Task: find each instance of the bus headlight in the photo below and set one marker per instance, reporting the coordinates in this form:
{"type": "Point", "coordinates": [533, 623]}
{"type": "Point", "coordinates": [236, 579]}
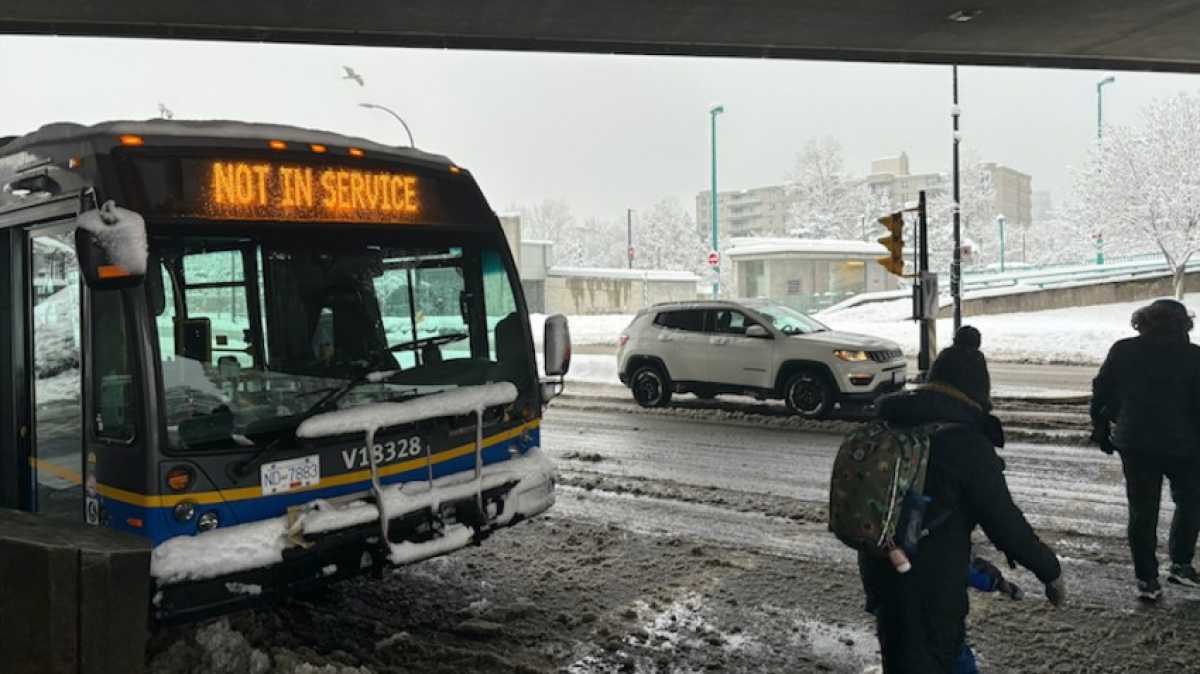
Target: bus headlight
{"type": "Point", "coordinates": [208, 521]}
{"type": "Point", "coordinates": [184, 511]}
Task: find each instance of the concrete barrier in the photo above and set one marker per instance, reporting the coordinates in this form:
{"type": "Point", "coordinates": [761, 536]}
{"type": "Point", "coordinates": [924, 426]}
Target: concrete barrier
{"type": "Point", "coordinates": [73, 597]}
{"type": "Point", "coordinates": [1109, 292]}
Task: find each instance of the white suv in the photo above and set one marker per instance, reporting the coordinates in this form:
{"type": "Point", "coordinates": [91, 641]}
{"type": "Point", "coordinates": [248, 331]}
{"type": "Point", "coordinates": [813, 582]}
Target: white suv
{"type": "Point", "coordinates": [755, 347]}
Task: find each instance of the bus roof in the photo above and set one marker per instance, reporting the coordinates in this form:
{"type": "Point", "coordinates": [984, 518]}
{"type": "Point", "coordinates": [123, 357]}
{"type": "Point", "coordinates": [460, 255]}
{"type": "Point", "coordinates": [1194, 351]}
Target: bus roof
{"type": "Point", "coordinates": [62, 132]}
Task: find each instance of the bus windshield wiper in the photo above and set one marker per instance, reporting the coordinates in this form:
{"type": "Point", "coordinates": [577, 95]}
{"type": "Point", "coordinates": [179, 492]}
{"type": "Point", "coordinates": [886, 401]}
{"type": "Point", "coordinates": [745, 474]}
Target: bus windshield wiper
{"type": "Point", "coordinates": [368, 376]}
{"type": "Point", "coordinates": [436, 340]}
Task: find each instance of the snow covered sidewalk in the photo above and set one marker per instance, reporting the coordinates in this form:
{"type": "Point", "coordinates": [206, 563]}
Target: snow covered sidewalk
{"type": "Point", "coordinates": [1078, 336]}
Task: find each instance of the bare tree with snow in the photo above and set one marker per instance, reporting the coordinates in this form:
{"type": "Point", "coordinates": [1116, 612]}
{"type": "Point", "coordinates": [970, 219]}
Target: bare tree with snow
{"type": "Point", "coordinates": [1143, 183]}
{"type": "Point", "coordinates": [666, 238]}
{"type": "Point", "coordinates": [977, 197]}
{"type": "Point", "coordinates": [825, 201]}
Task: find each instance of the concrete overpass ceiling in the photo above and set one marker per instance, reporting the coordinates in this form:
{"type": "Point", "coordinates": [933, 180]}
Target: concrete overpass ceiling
{"type": "Point", "coordinates": [1118, 34]}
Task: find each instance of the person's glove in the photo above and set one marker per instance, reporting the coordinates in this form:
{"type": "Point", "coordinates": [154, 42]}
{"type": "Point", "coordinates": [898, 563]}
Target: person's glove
{"type": "Point", "coordinates": [1056, 591]}
{"type": "Point", "coordinates": [1101, 437]}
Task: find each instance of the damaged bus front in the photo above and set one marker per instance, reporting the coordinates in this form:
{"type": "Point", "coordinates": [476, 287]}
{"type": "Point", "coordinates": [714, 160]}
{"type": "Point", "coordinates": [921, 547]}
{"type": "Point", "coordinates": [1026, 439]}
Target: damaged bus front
{"type": "Point", "coordinates": [323, 364]}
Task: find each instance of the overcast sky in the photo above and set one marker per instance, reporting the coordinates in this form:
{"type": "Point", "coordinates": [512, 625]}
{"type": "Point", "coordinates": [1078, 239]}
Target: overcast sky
{"type": "Point", "coordinates": [601, 132]}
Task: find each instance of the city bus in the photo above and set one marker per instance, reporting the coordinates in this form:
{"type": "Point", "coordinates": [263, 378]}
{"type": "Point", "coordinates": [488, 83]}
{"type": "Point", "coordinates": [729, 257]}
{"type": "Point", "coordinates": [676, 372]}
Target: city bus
{"type": "Point", "coordinates": [282, 356]}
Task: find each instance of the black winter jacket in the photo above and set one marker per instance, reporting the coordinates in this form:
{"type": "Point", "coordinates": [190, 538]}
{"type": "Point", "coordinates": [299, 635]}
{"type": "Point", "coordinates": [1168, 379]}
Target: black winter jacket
{"type": "Point", "coordinates": [1150, 386]}
{"type": "Point", "coordinates": [922, 614]}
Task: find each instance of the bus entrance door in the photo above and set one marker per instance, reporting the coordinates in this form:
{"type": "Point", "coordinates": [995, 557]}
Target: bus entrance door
{"type": "Point", "coordinates": [56, 450]}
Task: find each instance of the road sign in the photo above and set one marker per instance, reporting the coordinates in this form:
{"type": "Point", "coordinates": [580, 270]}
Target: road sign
{"type": "Point", "coordinates": [631, 252]}
{"type": "Point", "coordinates": [714, 259]}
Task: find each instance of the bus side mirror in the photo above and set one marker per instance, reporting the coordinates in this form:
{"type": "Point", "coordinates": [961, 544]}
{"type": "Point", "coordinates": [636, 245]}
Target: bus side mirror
{"type": "Point", "coordinates": [110, 243]}
{"type": "Point", "coordinates": [556, 340]}
{"type": "Point", "coordinates": [557, 343]}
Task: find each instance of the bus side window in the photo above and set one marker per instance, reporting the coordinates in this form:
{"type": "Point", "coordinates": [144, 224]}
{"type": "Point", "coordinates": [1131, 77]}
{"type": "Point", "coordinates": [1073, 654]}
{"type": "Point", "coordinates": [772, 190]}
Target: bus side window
{"type": "Point", "coordinates": [114, 394]}
{"type": "Point", "coordinates": [506, 336]}
{"type": "Point", "coordinates": [215, 289]}
{"type": "Point", "coordinates": [165, 321]}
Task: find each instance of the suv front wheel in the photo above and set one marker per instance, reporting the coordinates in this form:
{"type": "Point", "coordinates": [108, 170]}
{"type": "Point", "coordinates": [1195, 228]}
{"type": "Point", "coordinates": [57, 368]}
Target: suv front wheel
{"type": "Point", "coordinates": [651, 386]}
{"type": "Point", "coordinates": [808, 394]}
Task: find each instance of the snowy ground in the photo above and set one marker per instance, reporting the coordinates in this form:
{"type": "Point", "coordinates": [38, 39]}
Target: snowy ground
{"type": "Point", "coordinates": [671, 551]}
{"type": "Point", "coordinates": [1080, 335]}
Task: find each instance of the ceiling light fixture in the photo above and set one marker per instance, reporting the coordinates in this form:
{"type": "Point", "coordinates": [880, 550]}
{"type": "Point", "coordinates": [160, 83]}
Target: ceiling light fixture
{"type": "Point", "coordinates": [964, 15]}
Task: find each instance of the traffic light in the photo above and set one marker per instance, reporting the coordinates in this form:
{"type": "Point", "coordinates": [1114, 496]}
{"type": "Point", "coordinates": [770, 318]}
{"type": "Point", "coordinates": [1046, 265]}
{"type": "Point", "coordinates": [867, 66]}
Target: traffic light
{"type": "Point", "coordinates": [894, 242]}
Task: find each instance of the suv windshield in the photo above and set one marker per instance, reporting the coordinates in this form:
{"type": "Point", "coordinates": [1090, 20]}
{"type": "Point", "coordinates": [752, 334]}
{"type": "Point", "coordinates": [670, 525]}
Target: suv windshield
{"type": "Point", "coordinates": [252, 332]}
{"type": "Point", "coordinates": [788, 320]}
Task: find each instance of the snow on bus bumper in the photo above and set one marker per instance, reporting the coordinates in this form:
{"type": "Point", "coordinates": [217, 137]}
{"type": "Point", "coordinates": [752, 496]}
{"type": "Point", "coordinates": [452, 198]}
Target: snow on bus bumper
{"type": "Point", "coordinates": [222, 569]}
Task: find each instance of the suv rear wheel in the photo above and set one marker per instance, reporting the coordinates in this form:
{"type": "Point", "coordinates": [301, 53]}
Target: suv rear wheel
{"type": "Point", "coordinates": [651, 386]}
{"type": "Point", "coordinates": [808, 394]}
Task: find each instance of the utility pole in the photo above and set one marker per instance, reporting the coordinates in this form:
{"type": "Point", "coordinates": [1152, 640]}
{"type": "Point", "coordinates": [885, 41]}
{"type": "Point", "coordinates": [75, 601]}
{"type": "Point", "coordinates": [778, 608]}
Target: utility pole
{"type": "Point", "coordinates": [956, 266]}
{"type": "Point", "coordinates": [1000, 220]}
{"type": "Point", "coordinates": [1100, 106]}
{"type": "Point", "coordinates": [716, 245]}
{"type": "Point", "coordinates": [926, 294]}
{"type": "Point", "coordinates": [629, 235]}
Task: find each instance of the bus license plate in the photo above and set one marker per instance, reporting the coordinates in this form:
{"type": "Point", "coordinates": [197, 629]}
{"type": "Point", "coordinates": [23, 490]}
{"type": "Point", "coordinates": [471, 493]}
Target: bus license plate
{"type": "Point", "coordinates": [282, 476]}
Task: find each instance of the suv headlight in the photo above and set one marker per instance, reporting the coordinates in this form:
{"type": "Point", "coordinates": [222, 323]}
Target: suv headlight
{"type": "Point", "coordinates": [851, 356]}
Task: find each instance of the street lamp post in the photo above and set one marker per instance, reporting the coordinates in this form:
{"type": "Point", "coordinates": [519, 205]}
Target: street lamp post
{"type": "Point", "coordinates": [712, 113]}
{"type": "Point", "coordinates": [1000, 220]}
{"type": "Point", "coordinates": [1100, 106]}
{"type": "Point", "coordinates": [373, 106]}
{"type": "Point", "coordinates": [956, 265]}
{"type": "Point", "coordinates": [629, 236]}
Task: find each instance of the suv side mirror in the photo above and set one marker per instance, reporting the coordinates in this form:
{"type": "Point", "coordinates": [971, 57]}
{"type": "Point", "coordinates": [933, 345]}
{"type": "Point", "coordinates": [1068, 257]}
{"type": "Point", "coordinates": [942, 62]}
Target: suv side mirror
{"type": "Point", "coordinates": [758, 332]}
{"type": "Point", "coordinates": [110, 243]}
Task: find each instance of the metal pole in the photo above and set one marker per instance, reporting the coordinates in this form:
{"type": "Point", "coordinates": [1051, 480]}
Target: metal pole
{"type": "Point", "coordinates": [1100, 106]}
{"type": "Point", "coordinates": [713, 112]}
{"type": "Point", "coordinates": [629, 236]}
{"type": "Point", "coordinates": [925, 356]}
{"type": "Point", "coordinates": [1000, 221]}
{"type": "Point", "coordinates": [956, 266]}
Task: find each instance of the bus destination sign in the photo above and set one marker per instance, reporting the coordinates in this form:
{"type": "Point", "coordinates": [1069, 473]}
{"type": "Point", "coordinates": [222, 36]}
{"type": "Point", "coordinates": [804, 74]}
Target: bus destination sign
{"type": "Point", "coordinates": [263, 190]}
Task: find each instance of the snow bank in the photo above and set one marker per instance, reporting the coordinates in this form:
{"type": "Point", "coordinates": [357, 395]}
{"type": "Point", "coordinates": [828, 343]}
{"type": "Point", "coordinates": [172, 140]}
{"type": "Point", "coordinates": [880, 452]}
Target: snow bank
{"type": "Point", "coordinates": [602, 329]}
{"type": "Point", "coordinates": [1079, 335]}
{"type": "Point", "coordinates": [260, 544]}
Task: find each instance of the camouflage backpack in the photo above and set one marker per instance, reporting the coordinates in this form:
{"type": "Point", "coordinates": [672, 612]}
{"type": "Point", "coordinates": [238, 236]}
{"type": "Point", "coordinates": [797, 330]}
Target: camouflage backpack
{"type": "Point", "coordinates": [876, 494]}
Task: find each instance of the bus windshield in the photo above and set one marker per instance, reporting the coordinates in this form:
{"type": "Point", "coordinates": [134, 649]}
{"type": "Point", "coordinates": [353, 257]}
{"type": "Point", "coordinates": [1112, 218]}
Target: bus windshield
{"type": "Point", "coordinates": [253, 332]}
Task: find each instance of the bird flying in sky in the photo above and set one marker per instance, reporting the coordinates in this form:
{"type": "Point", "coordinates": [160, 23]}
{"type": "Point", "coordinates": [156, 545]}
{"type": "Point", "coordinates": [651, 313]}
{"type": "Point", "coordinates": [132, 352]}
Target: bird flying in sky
{"type": "Point", "coordinates": [351, 75]}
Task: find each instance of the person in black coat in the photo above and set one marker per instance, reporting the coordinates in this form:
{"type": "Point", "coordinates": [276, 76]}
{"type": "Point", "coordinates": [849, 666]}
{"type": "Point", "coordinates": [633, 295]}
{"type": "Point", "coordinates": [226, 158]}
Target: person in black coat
{"type": "Point", "coordinates": [921, 615]}
{"type": "Point", "coordinates": [1149, 387]}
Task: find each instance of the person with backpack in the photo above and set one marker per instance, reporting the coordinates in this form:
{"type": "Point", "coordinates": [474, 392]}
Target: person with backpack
{"type": "Point", "coordinates": [914, 533]}
{"type": "Point", "coordinates": [1149, 387]}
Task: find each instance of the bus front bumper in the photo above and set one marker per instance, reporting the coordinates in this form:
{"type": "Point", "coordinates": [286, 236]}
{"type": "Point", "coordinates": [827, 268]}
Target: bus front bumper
{"type": "Point", "coordinates": [324, 552]}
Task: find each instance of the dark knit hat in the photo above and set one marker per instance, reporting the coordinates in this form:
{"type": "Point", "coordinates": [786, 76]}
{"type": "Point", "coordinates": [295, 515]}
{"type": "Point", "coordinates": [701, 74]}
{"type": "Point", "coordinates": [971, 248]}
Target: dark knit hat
{"type": "Point", "coordinates": [963, 367]}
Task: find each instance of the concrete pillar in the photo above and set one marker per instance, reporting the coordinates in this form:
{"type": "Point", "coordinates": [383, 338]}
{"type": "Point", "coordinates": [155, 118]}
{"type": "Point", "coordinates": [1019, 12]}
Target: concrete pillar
{"type": "Point", "coordinates": [74, 598]}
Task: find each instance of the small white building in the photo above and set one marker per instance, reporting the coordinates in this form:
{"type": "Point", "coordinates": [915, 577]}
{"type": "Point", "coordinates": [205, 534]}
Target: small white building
{"type": "Point", "coordinates": [807, 274]}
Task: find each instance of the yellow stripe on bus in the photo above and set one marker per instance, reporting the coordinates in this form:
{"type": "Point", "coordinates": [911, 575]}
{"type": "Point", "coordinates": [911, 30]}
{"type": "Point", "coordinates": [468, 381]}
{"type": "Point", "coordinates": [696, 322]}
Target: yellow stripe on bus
{"type": "Point", "coordinates": [243, 493]}
{"type": "Point", "coordinates": [56, 470]}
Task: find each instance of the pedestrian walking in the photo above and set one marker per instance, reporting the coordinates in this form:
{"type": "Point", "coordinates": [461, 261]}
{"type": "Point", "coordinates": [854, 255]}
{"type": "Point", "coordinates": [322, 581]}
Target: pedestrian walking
{"type": "Point", "coordinates": [921, 610]}
{"type": "Point", "coordinates": [1146, 407]}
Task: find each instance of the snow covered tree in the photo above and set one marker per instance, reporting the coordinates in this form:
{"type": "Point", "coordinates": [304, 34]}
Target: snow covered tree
{"type": "Point", "coordinates": [593, 243]}
{"type": "Point", "coordinates": [665, 237]}
{"type": "Point", "coordinates": [977, 221]}
{"type": "Point", "coordinates": [547, 220]}
{"type": "Point", "coordinates": [1142, 185]}
{"type": "Point", "coordinates": [825, 202]}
